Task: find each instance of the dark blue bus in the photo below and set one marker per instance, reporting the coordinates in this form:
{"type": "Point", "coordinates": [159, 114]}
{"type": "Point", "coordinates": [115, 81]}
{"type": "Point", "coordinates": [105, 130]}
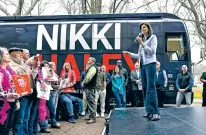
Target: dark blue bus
{"type": "Point", "coordinates": [74, 38]}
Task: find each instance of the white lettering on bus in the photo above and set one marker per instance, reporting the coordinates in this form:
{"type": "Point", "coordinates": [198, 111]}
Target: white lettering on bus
{"type": "Point", "coordinates": [63, 37]}
{"type": "Point", "coordinates": [51, 41]}
{"type": "Point", "coordinates": [100, 36]}
{"type": "Point", "coordinates": [117, 36]}
{"type": "Point", "coordinates": [78, 35]}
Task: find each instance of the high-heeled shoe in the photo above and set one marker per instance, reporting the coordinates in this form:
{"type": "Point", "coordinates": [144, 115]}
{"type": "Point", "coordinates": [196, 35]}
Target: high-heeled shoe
{"type": "Point", "coordinates": [155, 117]}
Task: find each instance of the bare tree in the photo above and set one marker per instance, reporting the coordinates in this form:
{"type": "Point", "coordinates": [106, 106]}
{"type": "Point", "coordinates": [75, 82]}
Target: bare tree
{"type": "Point", "coordinates": [116, 5]}
{"type": "Point", "coordinates": [100, 6]}
{"type": "Point", "coordinates": [171, 6]}
{"type": "Point", "coordinates": [146, 4]}
{"type": "Point", "coordinates": [196, 10]}
{"type": "Point", "coordinates": [18, 5]}
{"type": "Point", "coordinates": [4, 10]}
{"type": "Point", "coordinates": [81, 6]}
{"type": "Point", "coordinates": [42, 5]}
{"type": "Point", "coordinates": [84, 6]}
{"type": "Point", "coordinates": [71, 6]}
{"type": "Point", "coordinates": [94, 6]}
{"type": "Point", "coordinates": [19, 8]}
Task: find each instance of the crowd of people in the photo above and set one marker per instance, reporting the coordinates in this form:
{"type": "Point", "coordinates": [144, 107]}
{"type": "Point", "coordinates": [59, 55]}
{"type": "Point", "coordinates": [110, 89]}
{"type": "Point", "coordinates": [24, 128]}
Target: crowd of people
{"type": "Point", "coordinates": [23, 113]}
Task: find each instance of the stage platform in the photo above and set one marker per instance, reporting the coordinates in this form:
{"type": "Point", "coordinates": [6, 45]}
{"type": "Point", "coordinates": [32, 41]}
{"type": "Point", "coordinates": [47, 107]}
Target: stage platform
{"type": "Point", "coordinates": [174, 121]}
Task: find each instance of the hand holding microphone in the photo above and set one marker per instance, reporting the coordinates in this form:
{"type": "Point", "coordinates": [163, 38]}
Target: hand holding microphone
{"type": "Point", "coordinates": [139, 39]}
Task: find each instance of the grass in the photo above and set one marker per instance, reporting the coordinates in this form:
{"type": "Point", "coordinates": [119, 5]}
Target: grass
{"type": "Point", "coordinates": [197, 92]}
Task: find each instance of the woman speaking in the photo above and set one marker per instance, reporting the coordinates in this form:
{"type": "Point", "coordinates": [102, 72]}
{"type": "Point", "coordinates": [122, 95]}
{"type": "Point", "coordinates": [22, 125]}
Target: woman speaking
{"type": "Point", "coordinates": [147, 55]}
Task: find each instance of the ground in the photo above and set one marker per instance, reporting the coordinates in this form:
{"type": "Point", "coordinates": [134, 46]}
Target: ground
{"type": "Point", "coordinates": [81, 128]}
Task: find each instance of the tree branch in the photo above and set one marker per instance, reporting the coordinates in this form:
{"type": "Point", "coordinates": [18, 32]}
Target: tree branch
{"type": "Point", "coordinates": [166, 3]}
{"type": "Point", "coordinates": [148, 3]}
{"type": "Point", "coordinates": [204, 7]}
{"type": "Point", "coordinates": [125, 3]}
{"type": "Point", "coordinates": [9, 2]}
{"type": "Point", "coordinates": [31, 8]}
{"type": "Point", "coordinates": [19, 8]}
{"type": "Point", "coordinates": [197, 20]}
{"type": "Point", "coordinates": [116, 7]}
{"type": "Point", "coordinates": [84, 7]}
{"type": "Point", "coordinates": [4, 10]}
{"type": "Point", "coordinates": [113, 6]}
{"type": "Point", "coordinates": [190, 20]}
{"type": "Point", "coordinates": [88, 5]}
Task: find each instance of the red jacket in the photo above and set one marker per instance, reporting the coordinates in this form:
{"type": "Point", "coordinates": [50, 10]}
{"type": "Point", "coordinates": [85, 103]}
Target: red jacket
{"type": "Point", "coordinates": [71, 80]}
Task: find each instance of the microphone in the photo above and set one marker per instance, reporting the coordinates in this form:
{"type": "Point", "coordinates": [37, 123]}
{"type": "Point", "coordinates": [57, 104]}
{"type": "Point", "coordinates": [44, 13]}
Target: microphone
{"type": "Point", "coordinates": [140, 34]}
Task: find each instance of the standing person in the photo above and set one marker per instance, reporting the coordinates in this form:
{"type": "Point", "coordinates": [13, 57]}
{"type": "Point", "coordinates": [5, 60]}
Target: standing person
{"type": "Point", "coordinates": [161, 83]}
{"type": "Point", "coordinates": [23, 114]}
{"type": "Point", "coordinates": [8, 93]}
{"type": "Point", "coordinates": [89, 83]}
{"type": "Point", "coordinates": [123, 72]}
{"type": "Point", "coordinates": [25, 55]}
{"type": "Point", "coordinates": [184, 84]}
{"type": "Point", "coordinates": [55, 85]}
{"type": "Point", "coordinates": [147, 55]}
{"type": "Point", "coordinates": [34, 114]}
{"type": "Point", "coordinates": [100, 90]}
{"type": "Point", "coordinates": [48, 76]}
{"type": "Point", "coordinates": [136, 86]}
{"type": "Point", "coordinates": [118, 87]}
{"type": "Point", "coordinates": [203, 80]}
{"type": "Point", "coordinates": [30, 62]}
{"type": "Point", "coordinates": [83, 73]}
{"type": "Point", "coordinates": [108, 88]}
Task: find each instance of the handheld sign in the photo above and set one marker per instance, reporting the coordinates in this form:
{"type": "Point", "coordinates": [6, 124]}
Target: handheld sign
{"type": "Point", "coordinates": [66, 86]}
{"type": "Point", "coordinates": [42, 93]}
{"type": "Point", "coordinates": [22, 84]}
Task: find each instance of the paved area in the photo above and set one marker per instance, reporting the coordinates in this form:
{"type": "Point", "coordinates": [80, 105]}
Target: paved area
{"type": "Point", "coordinates": [79, 128]}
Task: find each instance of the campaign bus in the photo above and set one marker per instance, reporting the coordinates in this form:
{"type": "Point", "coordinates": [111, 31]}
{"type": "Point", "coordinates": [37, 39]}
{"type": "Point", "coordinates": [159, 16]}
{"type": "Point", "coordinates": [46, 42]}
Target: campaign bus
{"type": "Point", "coordinates": [74, 38]}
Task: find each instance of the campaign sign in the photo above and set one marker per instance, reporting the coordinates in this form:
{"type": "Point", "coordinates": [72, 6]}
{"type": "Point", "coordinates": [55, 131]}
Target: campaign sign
{"type": "Point", "coordinates": [43, 93]}
{"type": "Point", "coordinates": [66, 86]}
{"type": "Point", "coordinates": [22, 84]}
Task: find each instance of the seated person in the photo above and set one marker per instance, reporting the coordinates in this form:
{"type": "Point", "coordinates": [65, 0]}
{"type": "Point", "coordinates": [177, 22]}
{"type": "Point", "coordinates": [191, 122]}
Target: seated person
{"type": "Point", "coordinates": [69, 79]}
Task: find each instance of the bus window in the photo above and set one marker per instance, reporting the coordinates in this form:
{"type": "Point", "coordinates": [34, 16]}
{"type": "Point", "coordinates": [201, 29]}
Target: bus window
{"type": "Point", "coordinates": [175, 48]}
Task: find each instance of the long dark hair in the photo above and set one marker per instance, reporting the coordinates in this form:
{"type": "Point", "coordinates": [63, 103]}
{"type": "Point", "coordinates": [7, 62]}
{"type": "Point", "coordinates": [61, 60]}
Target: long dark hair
{"type": "Point", "coordinates": [114, 73]}
{"type": "Point", "coordinates": [150, 31]}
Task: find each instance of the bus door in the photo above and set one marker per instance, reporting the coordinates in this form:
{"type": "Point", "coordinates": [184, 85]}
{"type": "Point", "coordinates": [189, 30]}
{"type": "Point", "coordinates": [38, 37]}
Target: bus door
{"type": "Point", "coordinates": [177, 54]}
